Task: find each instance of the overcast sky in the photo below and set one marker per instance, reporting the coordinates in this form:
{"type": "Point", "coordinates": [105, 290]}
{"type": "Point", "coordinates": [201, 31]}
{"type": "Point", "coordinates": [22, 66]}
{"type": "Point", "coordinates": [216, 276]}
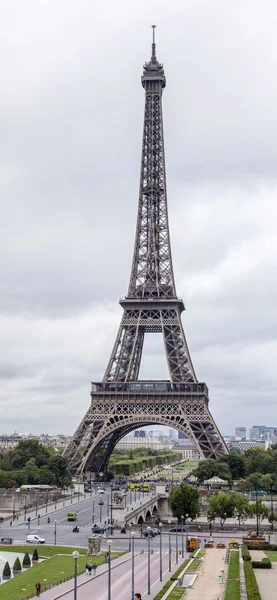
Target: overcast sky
{"type": "Point", "coordinates": [71, 114]}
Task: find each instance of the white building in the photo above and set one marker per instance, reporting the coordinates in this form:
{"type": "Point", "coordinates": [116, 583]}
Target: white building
{"type": "Point", "coordinates": [131, 443]}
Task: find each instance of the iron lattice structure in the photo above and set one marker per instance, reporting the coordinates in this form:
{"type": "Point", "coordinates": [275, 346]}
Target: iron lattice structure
{"type": "Point", "coordinates": [121, 403]}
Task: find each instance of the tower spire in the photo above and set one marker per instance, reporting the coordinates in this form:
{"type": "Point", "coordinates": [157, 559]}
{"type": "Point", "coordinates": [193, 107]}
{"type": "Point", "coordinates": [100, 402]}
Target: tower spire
{"type": "Point", "coordinates": [153, 57]}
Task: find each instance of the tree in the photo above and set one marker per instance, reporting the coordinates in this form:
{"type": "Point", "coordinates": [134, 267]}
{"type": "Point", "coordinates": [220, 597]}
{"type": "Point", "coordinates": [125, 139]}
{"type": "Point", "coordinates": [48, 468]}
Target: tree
{"type": "Point", "coordinates": [17, 566]}
{"type": "Point", "coordinates": [184, 500]}
{"type": "Point", "coordinates": [45, 476]}
{"type": "Point", "coordinates": [257, 460]}
{"type": "Point", "coordinates": [256, 480]}
{"type": "Point", "coordinates": [221, 506]}
{"type": "Point", "coordinates": [26, 563]}
{"type": "Point", "coordinates": [210, 468]}
{"type": "Point", "coordinates": [35, 555]}
{"type": "Point", "coordinates": [258, 507]}
{"type": "Point", "coordinates": [31, 471]}
{"type": "Point", "coordinates": [242, 508]}
{"type": "Point", "coordinates": [236, 464]}
{"type": "Point", "coordinates": [6, 571]}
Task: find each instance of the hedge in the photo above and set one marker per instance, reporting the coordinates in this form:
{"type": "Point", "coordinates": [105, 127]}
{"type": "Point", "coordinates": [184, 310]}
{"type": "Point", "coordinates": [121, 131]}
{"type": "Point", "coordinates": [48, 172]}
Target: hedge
{"type": "Point", "coordinates": [251, 583]}
{"type": "Point", "coordinates": [265, 563]}
{"type": "Point", "coordinates": [245, 552]}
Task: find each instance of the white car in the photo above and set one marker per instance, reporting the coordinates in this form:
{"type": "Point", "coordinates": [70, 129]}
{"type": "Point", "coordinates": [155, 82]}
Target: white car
{"type": "Point", "coordinates": [100, 491]}
{"type": "Point", "coordinates": [35, 539]}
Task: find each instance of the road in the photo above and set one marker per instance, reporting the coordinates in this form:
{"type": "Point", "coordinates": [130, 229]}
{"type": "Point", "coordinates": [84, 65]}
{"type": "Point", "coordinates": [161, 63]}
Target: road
{"type": "Point", "coordinates": [97, 587]}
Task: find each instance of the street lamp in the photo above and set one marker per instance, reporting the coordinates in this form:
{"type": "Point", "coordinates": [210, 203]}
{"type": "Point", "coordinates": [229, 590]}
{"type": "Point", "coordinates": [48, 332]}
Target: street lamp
{"type": "Point", "coordinates": [161, 556]}
{"type": "Point", "coordinates": [75, 555]}
{"type": "Point", "coordinates": [110, 543]}
{"type": "Point", "coordinates": [148, 578]}
{"type": "Point", "coordinates": [133, 564]}
{"type": "Point", "coordinates": [176, 542]}
{"type": "Point", "coordinates": [101, 504]}
{"type": "Point", "coordinates": [271, 504]}
{"type": "Point", "coordinates": [111, 510]}
{"type": "Point", "coordinates": [169, 546]}
{"type": "Point", "coordinates": [182, 520]}
{"type": "Point", "coordinates": [130, 525]}
{"type": "Point", "coordinates": [187, 529]}
{"type": "Point", "coordinates": [55, 533]}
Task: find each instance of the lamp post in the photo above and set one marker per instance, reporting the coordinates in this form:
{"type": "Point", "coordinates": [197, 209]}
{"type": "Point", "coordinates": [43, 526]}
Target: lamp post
{"type": "Point", "coordinates": [130, 537]}
{"type": "Point", "coordinates": [25, 508]}
{"type": "Point", "coordinates": [257, 514]}
{"type": "Point", "coordinates": [161, 555]}
{"type": "Point", "coordinates": [187, 529]}
{"type": "Point", "coordinates": [101, 504]}
{"type": "Point", "coordinates": [110, 543]}
{"type": "Point", "coordinates": [75, 555]}
{"type": "Point", "coordinates": [176, 543]}
{"type": "Point", "coordinates": [133, 565]}
{"type": "Point", "coordinates": [182, 521]}
{"type": "Point", "coordinates": [169, 546]}
{"type": "Point", "coordinates": [148, 574]}
{"type": "Point", "coordinates": [271, 505]}
{"type": "Point", "coordinates": [111, 510]}
{"type": "Point", "coordinates": [55, 533]}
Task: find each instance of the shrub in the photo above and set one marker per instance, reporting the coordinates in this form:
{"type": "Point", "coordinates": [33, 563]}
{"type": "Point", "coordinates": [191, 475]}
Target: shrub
{"type": "Point", "coordinates": [6, 571]}
{"type": "Point", "coordinates": [265, 563]}
{"type": "Point", "coordinates": [245, 552]}
{"type": "Point", "coordinates": [35, 555]}
{"type": "Point", "coordinates": [26, 563]}
{"type": "Point", "coordinates": [17, 565]}
{"type": "Point", "coordinates": [251, 583]}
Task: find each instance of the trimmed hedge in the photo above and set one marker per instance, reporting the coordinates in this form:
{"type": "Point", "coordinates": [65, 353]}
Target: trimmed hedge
{"type": "Point", "coordinates": [162, 592]}
{"type": "Point", "coordinates": [245, 552]}
{"type": "Point", "coordinates": [251, 583]}
{"type": "Point", "coordinates": [265, 563]}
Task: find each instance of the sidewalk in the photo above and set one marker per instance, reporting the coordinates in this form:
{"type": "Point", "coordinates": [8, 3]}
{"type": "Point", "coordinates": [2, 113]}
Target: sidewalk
{"type": "Point", "coordinates": [207, 584]}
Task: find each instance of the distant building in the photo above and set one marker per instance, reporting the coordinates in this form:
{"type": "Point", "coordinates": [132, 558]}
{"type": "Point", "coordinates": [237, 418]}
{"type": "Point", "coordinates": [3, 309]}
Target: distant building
{"type": "Point", "coordinates": [240, 432]}
{"type": "Point", "coordinates": [245, 444]}
{"type": "Point", "coordinates": [140, 433]}
{"type": "Point", "coordinates": [262, 432]}
{"type": "Point", "coordinates": [131, 443]}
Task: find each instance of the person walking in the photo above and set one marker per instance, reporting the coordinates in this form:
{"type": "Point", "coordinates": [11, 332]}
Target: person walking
{"type": "Point", "coordinates": [94, 566]}
{"type": "Point", "coordinates": [137, 597]}
{"type": "Point", "coordinates": [38, 588]}
{"type": "Point", "coordinates": [89, 568]}
{"type": "Point", "coordinates": [86, 568]}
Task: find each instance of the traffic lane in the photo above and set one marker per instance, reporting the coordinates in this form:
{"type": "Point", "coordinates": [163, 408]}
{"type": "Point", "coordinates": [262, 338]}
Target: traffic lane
{"type": "Point", "coordinates": [121, 580]}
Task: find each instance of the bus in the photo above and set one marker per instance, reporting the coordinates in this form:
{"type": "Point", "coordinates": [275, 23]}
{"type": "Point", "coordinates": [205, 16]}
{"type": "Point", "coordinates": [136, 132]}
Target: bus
{"type": "Point", "coordinates": [193, 543]}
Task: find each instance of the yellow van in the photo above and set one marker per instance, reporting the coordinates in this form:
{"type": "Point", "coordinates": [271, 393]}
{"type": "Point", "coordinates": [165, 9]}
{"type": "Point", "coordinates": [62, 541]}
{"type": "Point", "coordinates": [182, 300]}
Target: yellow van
{"type": "Point", "coordinates": [72, 516]}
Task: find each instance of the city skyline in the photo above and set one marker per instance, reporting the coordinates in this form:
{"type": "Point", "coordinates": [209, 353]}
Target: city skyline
{"type": "Point", "coordinates": [69, 193]}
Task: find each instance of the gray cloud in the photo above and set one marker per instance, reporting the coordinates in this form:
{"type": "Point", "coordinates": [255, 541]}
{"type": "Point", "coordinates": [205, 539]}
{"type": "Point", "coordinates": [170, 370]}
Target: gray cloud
{"type": "Point", "coordinates": [71, 112]}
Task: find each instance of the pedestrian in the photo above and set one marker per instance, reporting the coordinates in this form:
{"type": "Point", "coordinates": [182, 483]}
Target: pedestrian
{"type": "Point", "coordinates": [137, 596]}
{"type": "Point", "coordinates": [89, 568]}
{"type": "Point", "coordinates": [94, 566]}
{"type": "Point", "coordinates": [11, 523]}
{"type": "Point", "coordinates": [86, 568]}
{"type": "Point", "coordinates": [38, 588]}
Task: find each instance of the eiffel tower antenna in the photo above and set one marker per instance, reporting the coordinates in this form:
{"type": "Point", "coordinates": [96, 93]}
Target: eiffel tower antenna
{"type": "Point", "coordinates": [122, 402]}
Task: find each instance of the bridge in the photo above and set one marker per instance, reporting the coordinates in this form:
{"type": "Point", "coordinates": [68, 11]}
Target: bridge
{"type": "Point", "coordinates": [145, 510]}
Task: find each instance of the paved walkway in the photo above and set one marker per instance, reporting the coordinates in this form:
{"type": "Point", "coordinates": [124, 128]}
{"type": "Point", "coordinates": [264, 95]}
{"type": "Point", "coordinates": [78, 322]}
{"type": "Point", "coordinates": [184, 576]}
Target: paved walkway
{"type": "Point", "coordinates": [267, 581]}
{"type": "Point", "coordinates": [207, 584]}
{"type": "Point", "coordinates": [257, 554]}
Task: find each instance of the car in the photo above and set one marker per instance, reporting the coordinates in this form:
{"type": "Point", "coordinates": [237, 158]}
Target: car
{"type": "Point", "coordinates": [115, 488]}
{"type": "Point", "coordinates": [98, 528]}
{"type": "Point", "coordinates": [209, 544]}
{"type": "Point", "coordinates": [100, 491]}
{"type": "Point", "coordinates": [156, 531]}
{"type": "Point", "coordinates": [178, 529]}
{"type": "Point", "coordinates": [149, 532]}
{"type": "Point", "coordinates": [35, 539]}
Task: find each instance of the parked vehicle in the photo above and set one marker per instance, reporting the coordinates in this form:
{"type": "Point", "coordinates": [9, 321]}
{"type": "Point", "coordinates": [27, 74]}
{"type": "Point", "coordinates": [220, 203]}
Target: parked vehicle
{"type": "Point", "coordinates": [98, 528]}
{"type": "Point", "coordinates": [6, 540]}
{"type": "Point", "coordinates": [209, 544]}
{"type": "Point", "coordinates": [35, 539]}
{"type": "Point", "coordinates": [220, 545]}
{"type": "Point", "coordinates": [193, 543]}
{"type": "Point", "coordinates": [178, 528]}
{"type": "Point", "coordinates": [100, 491]}
{"type": "Point", "coordinates": [233, 545]}
{"type": "Point", "coordinates": [156, 531]}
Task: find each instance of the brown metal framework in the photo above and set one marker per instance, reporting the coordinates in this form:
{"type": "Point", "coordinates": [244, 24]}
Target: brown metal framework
{"type": "Point", "coordinates": [121, 403]}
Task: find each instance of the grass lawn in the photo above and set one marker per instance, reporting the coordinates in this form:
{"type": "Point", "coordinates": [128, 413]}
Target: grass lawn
{"type": "Point", "coordinates": [192, 568]}
{"type": "Point", "coordinates": [232, 591]}
{"type": "Point", "coordinates": [233, 572]}
{"type": "Point", "coordinates": [177, 593]}
{"type": "Point", "coordinates": [43, 551]}
{"type": "Point", "coordinates": [53, 570]}
{"type": "Point", "coordinates": [189, 464]}
{"type": "Point", "coordinates": [272, 555]}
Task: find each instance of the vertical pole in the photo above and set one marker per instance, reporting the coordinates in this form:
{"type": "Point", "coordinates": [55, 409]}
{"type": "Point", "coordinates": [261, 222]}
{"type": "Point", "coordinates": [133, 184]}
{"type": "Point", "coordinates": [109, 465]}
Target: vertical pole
{"type": "Point", "coordinates": [111, 512]}
{"type": "Point", "coordinates": [133, 567]}
{"type": "Point", "coordinates": [271, 502]}
{"type": "Point", "coordinates": [75, 578]}
{"type": "Point", "coordinates": [176, 545]}
{"type": "Point", "coordinates": [161, 557]}
{"type": "Point", "coordinates": [182, 537]}
{"type": "Point", "coordinates": [169, 551]}
{"type": "Point", "coordinates": [109, 574]}
{"type": "Point", "coordinates": [129, 537]}
{"type": "Point", "coordinates": [55, 533]}
{"type": "Point", "coordinates": [148, 586]}
{"type": "Point", "coordinates": [257, 516]}
{"type": "Point", "coordinates": [100, 512]}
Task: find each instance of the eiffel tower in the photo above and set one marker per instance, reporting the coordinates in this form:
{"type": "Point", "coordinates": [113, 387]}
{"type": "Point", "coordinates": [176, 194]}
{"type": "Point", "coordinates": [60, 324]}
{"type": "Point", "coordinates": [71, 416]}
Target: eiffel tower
{"type": "Point", "coordinates": [122, 402]}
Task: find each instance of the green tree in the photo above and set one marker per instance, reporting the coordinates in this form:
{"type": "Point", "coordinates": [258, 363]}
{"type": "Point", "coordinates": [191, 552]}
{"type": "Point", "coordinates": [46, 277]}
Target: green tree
{"type": "Point", "coordinates": [17, 565]}
{"type": "Point", "coordinates": [242, 508]}
{"type": "Point", "coordinates": [35, 554]}
{"type": "Point", "coordinates": [184, 500]}
{"type": "Point", "coordinates": [258, 507]}
{"type": "Point", "coordinates": [236, 464]}
{"type": "Point", "coordinates": [256, 480]}
{"type": "Point", "coordinates": [210, 468]}
{"type": "Point", "coordinates": [257, 460]}
{"type": "Point", "coordinates": [31, 471]}
{"type": "Point", "coordinates": [45, 476]}
{"type": "Point", "coordinates": [6, 571]}
{"type": "Point", "coordinates": [26, 563]}
{"type": "Point", "coordinates": [221, 506]}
